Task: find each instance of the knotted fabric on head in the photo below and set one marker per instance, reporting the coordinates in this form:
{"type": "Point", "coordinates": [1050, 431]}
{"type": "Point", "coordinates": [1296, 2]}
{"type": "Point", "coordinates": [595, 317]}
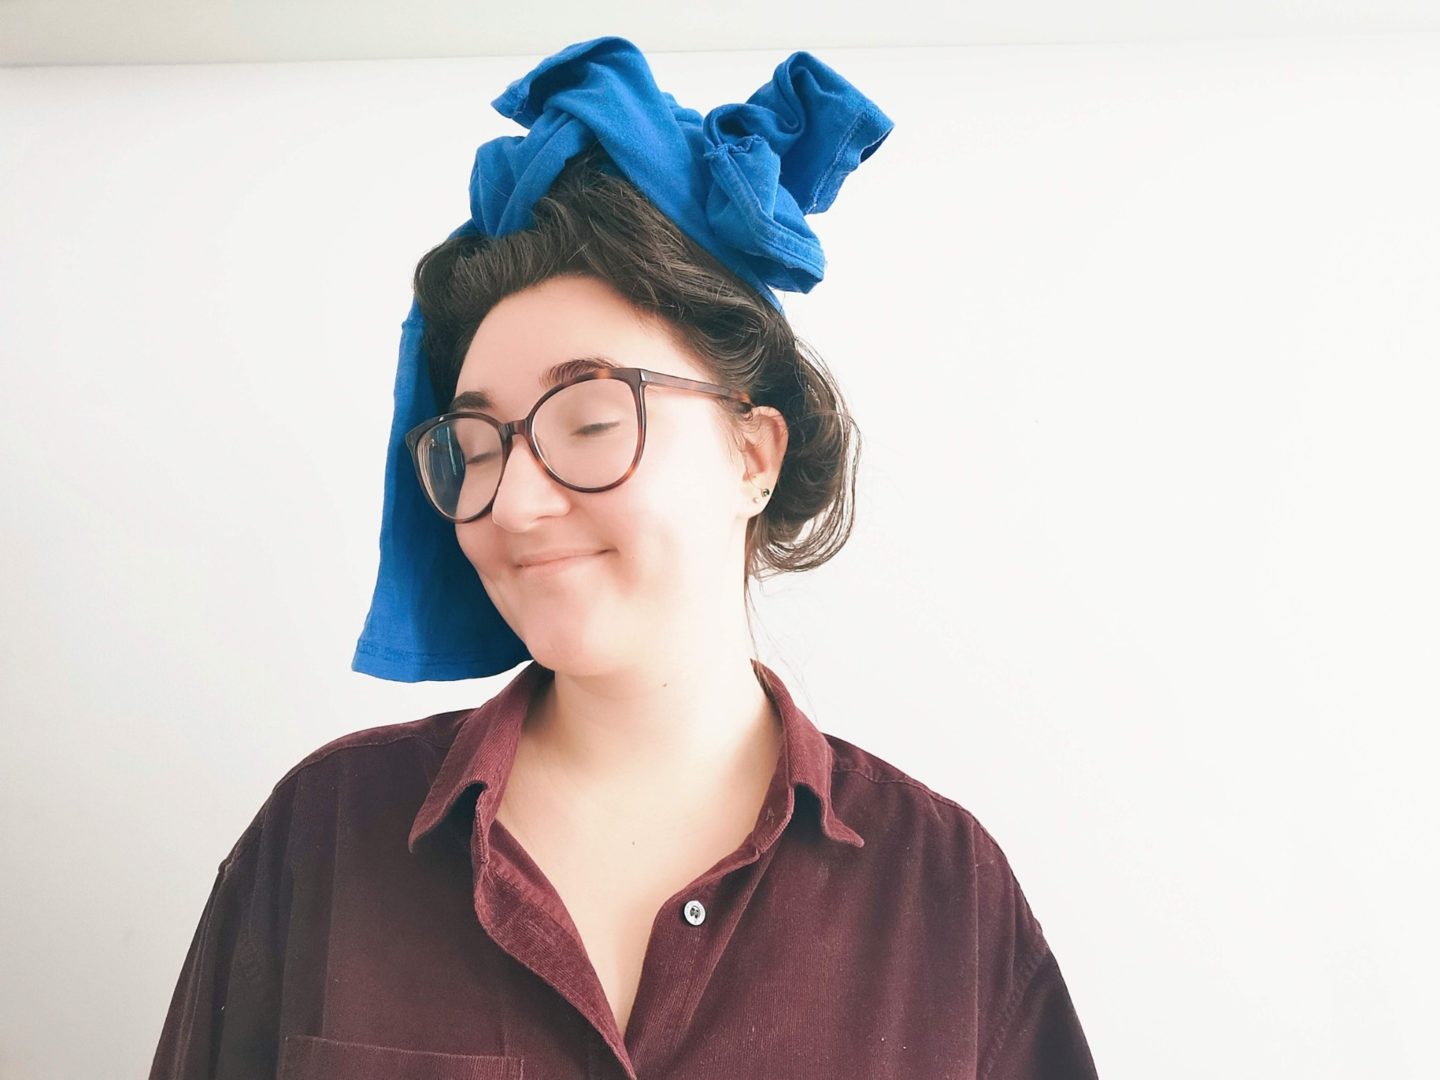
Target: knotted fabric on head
{"type": "Point", "coordinates": [739, 181]}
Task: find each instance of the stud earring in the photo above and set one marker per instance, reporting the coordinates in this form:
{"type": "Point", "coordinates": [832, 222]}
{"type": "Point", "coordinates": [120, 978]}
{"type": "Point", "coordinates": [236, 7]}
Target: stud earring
{"type": "Point", "coordinates": [763, 491]}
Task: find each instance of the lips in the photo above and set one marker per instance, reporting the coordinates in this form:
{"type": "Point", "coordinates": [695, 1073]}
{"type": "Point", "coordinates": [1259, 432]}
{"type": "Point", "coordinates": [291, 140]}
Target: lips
{"type": "Point", "coordinates": [548, 557]}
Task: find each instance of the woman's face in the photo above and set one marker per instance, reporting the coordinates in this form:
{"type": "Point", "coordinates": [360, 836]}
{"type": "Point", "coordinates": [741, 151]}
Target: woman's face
{"type": "Point", "coordinates": [668, 542]}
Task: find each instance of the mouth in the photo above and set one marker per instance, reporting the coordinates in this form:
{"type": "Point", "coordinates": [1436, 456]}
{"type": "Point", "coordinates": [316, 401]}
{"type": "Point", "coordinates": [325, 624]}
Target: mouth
{"type": "Point", "coordinates": [556, 566]}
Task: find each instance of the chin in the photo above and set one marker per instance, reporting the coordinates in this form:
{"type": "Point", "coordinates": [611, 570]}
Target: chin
{"type": "Point", "coordinates": [570, 651]}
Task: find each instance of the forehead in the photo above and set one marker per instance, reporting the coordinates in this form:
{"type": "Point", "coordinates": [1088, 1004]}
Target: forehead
{"type": "Point", "coordinates": [544, 334]}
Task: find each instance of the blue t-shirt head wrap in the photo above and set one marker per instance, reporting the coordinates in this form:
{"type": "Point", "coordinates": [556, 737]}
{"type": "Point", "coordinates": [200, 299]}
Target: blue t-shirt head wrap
{"type": "Point", "coordinates": [738, 181]}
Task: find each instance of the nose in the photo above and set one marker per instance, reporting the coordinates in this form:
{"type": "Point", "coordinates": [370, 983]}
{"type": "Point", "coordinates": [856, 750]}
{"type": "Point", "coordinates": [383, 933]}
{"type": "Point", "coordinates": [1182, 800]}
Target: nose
{"type": "Point", "coordinates": [526, 491]}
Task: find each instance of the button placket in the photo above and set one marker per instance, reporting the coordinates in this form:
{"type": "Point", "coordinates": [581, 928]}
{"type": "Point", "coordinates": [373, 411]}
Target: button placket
{"type": "Point", "coordinates": [679, 947]}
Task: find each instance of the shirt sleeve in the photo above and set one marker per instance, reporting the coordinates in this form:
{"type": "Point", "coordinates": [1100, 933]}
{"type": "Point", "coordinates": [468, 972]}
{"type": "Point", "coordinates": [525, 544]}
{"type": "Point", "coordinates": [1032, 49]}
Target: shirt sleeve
{"type": "Point", "coordinates": [1039, 1035]}
{"type": "Point", "coordinates": [1030, 1028]}
{"type": "Point", "coordinates": [224, 1014]}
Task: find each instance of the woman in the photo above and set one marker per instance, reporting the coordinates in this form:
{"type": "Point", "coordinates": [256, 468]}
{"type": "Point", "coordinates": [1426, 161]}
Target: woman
{"type": "Point", "coordinates": [640, 858]}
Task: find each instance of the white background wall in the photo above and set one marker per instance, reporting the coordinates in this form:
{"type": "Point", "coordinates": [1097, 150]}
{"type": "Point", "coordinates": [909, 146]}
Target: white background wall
{"type": "Point", "coordinates": [1142, 340]}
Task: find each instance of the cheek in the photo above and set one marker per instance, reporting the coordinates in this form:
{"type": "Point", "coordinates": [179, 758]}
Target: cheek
{"type": "Point", "coordinates": [679, 506]}
{"type": "Point", "coordinates": [477, 542]}
{"type": "Point", "coordinates": [686, 459]}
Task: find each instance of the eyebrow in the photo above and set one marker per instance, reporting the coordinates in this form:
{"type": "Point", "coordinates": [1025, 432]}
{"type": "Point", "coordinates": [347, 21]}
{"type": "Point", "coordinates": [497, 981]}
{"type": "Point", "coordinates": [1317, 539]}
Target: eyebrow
{"type": "Point", "coordinates": [554, 376]}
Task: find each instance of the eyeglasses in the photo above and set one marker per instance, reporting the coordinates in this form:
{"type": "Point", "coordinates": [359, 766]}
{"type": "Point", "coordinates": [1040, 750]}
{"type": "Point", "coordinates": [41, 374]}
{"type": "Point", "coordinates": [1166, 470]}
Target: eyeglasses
{"type": "Point", "coordinates": [587, 433]}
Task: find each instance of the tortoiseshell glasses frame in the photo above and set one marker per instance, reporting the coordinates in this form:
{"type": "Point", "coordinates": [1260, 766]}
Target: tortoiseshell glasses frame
{"type": "Point", "coordinates": [636, 378]}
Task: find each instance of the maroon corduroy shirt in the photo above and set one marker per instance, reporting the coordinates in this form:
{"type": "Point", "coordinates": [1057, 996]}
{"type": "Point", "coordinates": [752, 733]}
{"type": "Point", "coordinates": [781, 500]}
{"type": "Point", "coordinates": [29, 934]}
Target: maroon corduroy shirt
{"type": "Point", "coordinates": [375, 922]}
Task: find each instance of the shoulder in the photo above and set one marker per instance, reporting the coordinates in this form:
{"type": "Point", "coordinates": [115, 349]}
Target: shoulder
{"type": "Point", "coordinates": [926, 838]}
{"type": "Point", "coordinates": [374, 771]}
{"type": "Point", "coordinates": [961, 891]}
{"type": "Point", "coordinates": [387, 746]}
{"type": "Point", "coordinates": [894, 803]}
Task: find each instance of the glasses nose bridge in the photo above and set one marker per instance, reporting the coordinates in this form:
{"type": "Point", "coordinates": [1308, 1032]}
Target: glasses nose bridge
{"type": "Point", "coordinates": [521, 429]}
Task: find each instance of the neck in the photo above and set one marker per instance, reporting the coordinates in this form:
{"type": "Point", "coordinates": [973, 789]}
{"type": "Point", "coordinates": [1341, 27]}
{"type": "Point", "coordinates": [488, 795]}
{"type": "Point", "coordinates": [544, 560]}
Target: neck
{"type": "Point", "coordinates": [643, 737]}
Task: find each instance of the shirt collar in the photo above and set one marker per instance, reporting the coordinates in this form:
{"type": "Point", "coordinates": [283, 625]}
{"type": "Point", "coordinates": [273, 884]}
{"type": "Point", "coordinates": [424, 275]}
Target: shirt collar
{"type": "Point", "coordinates": [484, 750]}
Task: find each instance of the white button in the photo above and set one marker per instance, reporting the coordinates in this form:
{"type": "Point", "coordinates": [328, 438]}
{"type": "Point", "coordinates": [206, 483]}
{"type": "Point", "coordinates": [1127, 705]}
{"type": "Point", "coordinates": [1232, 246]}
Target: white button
{"type": "Point", "coordinates": [694, 912]}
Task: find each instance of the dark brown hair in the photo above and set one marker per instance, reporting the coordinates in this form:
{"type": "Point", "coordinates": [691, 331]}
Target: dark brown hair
{"type": "Point", "coordinates": [594, 222]}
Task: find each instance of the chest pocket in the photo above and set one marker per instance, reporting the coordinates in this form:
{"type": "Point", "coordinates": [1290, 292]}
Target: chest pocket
{"type": "Point", "coordinates": [308, 1057]}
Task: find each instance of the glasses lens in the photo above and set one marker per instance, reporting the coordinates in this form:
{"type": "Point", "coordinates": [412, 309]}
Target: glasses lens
{"type": "Point", "coordinates": [460, 464]}
{"type": "Point", "coordinates": [587, 434]}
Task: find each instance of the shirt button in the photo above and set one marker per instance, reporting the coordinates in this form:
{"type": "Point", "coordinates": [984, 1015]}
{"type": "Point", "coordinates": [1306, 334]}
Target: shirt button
{"type": "Point", "coordinates": [694, 912]}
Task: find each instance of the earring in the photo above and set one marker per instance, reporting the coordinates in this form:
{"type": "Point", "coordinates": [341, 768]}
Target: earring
{"type": "Point", "coordinates": [763, 491]}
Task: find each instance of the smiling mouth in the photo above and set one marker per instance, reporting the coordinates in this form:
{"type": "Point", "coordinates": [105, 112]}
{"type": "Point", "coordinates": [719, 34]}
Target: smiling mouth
{"type": "Point", "coordinates": [556, 565]}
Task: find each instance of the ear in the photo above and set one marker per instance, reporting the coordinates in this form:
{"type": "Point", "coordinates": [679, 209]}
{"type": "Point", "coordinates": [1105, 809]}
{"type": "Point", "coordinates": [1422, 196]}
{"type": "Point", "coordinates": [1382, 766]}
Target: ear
{"type": "Point", "coordinates": [765, 435]}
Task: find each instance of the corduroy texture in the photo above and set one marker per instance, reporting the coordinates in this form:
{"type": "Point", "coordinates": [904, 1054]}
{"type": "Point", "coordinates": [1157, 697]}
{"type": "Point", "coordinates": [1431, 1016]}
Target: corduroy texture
{"type": "Point", "coordinates": [739, 181]}
{"type": "Point", "coordinates": [377, 921]}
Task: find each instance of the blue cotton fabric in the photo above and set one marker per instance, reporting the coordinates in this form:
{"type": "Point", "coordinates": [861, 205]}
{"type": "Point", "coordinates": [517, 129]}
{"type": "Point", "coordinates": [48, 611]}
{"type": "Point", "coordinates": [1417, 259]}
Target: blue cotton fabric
{"type": "Point", "coordinates": [739, 181]}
